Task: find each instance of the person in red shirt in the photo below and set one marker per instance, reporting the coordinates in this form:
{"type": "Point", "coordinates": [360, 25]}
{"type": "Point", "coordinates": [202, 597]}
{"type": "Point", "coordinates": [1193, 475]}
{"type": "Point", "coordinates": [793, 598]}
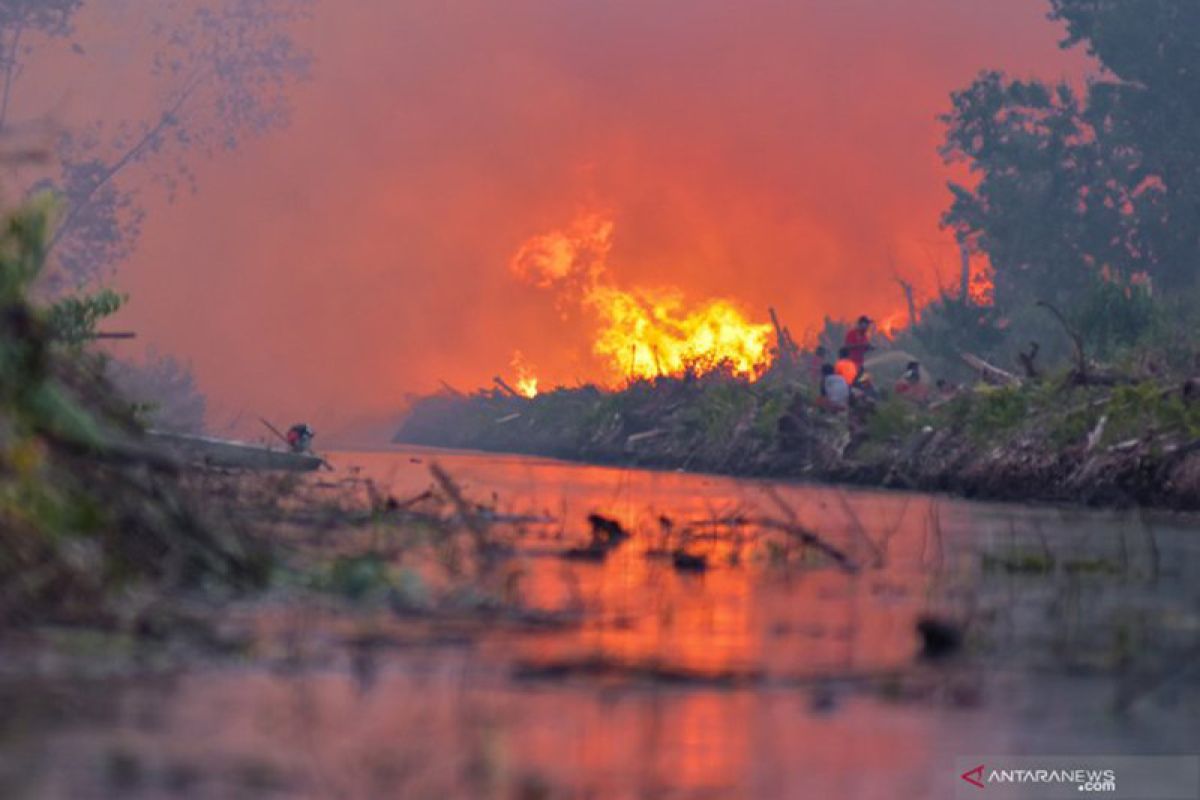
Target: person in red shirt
{"type": "Point", "coordinates": [858, 341]}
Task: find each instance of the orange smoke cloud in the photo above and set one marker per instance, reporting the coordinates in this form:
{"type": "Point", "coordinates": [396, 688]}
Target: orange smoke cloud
{"type": "Point", "coordinates": [577, 252]}
{"type": "Point", "coordinates": [764, 154]}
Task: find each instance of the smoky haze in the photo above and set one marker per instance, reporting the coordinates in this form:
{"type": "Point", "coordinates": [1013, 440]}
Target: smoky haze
{"type": "Point", "coordinates": [768, 153]}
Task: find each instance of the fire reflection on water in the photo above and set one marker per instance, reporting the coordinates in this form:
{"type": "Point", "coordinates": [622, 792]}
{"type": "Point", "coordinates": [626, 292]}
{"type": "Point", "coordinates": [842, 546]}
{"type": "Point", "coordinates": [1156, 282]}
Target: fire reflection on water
{"type": "Point", "coordinates": [761, 653]}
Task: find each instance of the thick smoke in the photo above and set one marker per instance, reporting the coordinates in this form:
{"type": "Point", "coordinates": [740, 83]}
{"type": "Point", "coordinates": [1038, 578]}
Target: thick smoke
{"type": "Point", "coordinates": [773, 153]}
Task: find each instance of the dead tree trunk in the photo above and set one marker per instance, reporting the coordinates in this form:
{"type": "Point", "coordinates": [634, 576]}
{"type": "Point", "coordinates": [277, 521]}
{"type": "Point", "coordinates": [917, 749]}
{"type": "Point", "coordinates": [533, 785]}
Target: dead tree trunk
{"type": "Point", "coordinates": [964, 289]}
{"type": "Point", "coordinates": [1081, 367]}
{"type": "Point", "coordinates": [907, 288]}
{"type": "Point", "coordinates": [789, 353]}
{"type": "Point", "coordinates": [508, 390]}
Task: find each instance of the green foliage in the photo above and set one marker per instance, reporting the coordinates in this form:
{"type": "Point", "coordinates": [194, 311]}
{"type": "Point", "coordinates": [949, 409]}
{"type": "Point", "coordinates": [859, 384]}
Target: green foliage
{"type": "Point", "coordinates": [1016, 561]}
{"type": "Point", "coordinates": [893, 419]}
{"type": "Point", "coordinates": [73, 319]}
{"type": "Point", "coordinates": [772, 406]}
{"type": "Point", "coordinates": [988, 412]}
{"type": "Point", "coordinates": [999, 410]}
{"type": "Point", "coordinates": [357, 577]}
{"type": "Point", "coordinates": [1135, 409]}
{"type": "Point", "coordinates": [1114, 315]}
{"type": "Point", "coordinates": [718, 411]}
{"type": "Point", "coordinates": [1074, 425]}
{"type": "Point", "coordinates": [77, 523]}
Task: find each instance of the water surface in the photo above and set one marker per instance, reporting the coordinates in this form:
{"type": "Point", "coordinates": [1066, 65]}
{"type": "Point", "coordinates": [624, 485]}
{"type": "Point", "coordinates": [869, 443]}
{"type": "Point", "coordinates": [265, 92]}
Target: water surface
{"type": "Point", "coordinates": [771, 674]}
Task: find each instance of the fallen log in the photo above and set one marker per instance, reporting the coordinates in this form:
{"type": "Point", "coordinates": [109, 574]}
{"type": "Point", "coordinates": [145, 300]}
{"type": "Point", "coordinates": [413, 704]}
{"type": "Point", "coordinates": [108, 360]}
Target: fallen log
{"type": "Point", "coordinates": [989, 372]}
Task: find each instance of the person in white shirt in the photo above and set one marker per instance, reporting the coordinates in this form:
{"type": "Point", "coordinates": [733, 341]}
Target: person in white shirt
{"type": "Point", "coordinates": [834, 389]}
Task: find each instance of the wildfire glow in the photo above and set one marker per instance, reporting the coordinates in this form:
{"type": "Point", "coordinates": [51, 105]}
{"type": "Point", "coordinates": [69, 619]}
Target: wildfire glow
{"type": "Point", "coordinates": [527, 382]}
{"type": "Point", "coordinates": [576, 253]}
{"type": "Point", "coordinates": [981, 288]}
{"type": "Point", "coordinates": [641, 333]}
{"type": "Point", "coordinates": [892, 324]}
{"type": "Point", "coordinates": [644, 334]}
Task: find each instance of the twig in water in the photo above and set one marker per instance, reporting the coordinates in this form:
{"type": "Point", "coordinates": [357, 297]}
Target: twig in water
{"type": "Point", "coordinates": [859, 530]}
{"type": "Point", "coordinates": [813, 540]}
{"type": "Point", "coordinates": [468, 516]}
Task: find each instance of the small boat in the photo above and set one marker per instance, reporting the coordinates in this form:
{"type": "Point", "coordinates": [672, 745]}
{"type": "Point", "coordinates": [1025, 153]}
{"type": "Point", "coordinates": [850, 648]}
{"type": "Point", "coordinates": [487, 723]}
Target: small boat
{"type": "Point", "coordinates": [214, 452]}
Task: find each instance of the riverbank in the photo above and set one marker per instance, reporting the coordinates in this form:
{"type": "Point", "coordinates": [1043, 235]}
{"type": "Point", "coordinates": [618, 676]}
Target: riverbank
{"type": "Point", "coordinates": [1134, 444]}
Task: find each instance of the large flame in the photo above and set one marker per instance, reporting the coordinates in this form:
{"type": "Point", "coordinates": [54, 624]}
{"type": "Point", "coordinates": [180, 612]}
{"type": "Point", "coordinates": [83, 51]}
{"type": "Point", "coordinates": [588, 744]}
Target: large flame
{"type": "Point", "coordinates": [641, 332]}
{"type": "Point", "coordinates": [646, 333]}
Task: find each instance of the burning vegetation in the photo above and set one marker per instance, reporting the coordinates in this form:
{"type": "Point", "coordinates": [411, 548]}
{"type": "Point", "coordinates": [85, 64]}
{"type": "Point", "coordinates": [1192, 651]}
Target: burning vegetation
{"type": "Point", "coordinates": [641, 333]}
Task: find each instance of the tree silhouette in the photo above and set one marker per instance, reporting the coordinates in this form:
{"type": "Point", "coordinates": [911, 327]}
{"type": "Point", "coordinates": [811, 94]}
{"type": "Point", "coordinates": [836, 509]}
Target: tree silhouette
{"type": "Point", "coordinates": [220, 69]}
{"type": "Point", "coordinates": [1071, 188]}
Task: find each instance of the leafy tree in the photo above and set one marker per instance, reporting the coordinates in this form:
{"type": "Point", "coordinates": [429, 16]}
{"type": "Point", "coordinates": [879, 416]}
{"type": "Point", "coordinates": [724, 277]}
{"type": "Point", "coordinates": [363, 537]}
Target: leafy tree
{"type": "Point", "coordinates": [73, 318]}
{"type": "Point", "coordinates": [221, 69]}
{"type": "Point", "coordinates": [1071, 186]}
{"type": "Point", "coordinates": [1150, 109]}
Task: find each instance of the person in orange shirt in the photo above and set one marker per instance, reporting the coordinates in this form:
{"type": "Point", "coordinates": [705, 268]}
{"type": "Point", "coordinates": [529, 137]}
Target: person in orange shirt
{"type": "Point", "coordinates": [846, 367]}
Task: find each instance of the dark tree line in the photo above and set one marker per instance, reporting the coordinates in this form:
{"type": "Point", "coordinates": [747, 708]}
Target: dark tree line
{"type": "Point", "coordinates": [1099, 184]}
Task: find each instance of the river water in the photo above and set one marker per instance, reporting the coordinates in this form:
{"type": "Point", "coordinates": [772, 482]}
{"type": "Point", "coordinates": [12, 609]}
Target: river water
{"type": "Point", "coordinates": [772, 673]}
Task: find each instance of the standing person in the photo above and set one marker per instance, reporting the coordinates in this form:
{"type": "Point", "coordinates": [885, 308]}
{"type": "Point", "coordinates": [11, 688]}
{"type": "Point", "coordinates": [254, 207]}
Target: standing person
{"type": "Point", "coordinates": [846, 367]}
{"type": "Point", "coordinates": [858, 340]}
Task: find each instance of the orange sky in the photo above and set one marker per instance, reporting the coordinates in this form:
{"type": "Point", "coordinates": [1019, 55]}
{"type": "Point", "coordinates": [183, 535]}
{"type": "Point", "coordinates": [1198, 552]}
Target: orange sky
{"type": "Point", "coordinates": [767, 152]}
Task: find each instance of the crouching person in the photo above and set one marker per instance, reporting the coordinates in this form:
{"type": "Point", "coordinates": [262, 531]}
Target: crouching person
{"type": "Point", "coordinates": [835, 391]}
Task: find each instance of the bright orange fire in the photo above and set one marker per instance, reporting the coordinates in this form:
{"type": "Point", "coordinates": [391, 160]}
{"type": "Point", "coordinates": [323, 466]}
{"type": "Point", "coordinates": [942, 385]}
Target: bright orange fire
{"type": "Point", "coordinates": [527, 382]}
{"type": "Point", "coordinates": [641, 333]}
{"type": "Point", "coordinates": [893, 324]}
{"type": "Point", "coordinates": [981, 288]}
{"type": "Point", "coordinates": [647, 333]}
